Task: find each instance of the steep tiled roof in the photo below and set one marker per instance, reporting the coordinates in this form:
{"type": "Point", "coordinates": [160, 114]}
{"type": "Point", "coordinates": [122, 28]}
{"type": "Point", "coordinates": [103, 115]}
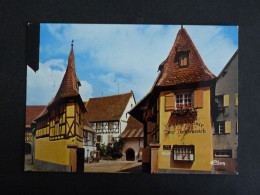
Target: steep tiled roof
{"type": "Point", "coordinates": [133, 129]}
{"type": "Point", "coordinates": [109, 108]}
{"type": "Point", "coordinates": [31, 113]}
{"type": "Point", "coordinates": [68, 87]}
{"type": "Point", "coordinates": [197, 71]}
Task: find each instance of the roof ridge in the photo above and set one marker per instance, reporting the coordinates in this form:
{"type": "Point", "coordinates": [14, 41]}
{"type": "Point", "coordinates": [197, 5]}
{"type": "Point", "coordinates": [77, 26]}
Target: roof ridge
{"type": "Point", "coordinates": [111, 95]}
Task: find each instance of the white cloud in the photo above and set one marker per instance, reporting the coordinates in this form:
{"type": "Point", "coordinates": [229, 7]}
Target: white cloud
{"type": "Point", "coordinates": [85, 90]}
{"type": "Point", "coordinates": [43, 85]}
{"type": "Point", "coordinates": [130, 54]}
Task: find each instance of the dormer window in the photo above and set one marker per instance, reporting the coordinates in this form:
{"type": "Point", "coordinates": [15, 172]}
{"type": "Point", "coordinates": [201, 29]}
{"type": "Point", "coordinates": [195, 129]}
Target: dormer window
{"type": "Point", "coordinates": [183, 60]}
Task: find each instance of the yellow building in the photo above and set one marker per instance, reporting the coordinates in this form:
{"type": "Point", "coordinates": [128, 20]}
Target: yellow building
{"type": "Point", "coordinates": [176, 113]}
{"type": "Point", "coordinates": [58, 144]}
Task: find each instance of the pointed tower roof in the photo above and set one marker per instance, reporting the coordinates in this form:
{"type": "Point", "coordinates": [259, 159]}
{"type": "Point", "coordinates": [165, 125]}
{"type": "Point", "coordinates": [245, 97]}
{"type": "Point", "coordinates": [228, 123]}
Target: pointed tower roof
{"type": "Point", "coordinates": [69, 86]}
{"type": "Point", "coordinates": [195, 71]}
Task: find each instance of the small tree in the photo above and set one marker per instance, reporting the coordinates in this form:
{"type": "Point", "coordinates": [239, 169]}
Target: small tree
{"type": "Point", "coordinates": [112, 150]}
{"type": "Point", "coordinates": [117, 149]}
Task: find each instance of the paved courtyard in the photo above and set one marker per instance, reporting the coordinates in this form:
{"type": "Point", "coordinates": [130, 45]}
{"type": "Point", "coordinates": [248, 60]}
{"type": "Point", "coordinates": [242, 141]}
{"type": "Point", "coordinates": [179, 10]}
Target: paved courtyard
{"type": "Point", "coordinates": [113, 166]}
{"type": "Point", "coordinates": [28, 166]}
{"type": "Point", "coordinates": [103, 166]}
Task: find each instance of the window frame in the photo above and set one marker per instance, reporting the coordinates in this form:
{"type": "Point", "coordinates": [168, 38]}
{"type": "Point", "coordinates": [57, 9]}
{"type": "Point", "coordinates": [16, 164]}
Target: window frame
{"type": "Point", "coordinates": [218, 125]}
{"type": "Point", "coordinates": [184, 149]}
{"type": "Point", "coordinates": [182, 55]}
{"type": "Point", "coordinates": [183, 99]}
{"type": "Point", "coordinates": [228, 155]}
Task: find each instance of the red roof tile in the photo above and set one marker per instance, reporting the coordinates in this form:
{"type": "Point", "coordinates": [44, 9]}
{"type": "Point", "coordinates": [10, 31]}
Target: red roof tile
{"type": "Point", "coordinates": [68, 87]}
{"type": "Point", "coordinates": [197, 71]}
{"type": "Point", "coordinates": [31, 113]}
{"type": "Point", "coordinates": [109, 108]}
{"type": "Point", "coordinates": [133, 129]}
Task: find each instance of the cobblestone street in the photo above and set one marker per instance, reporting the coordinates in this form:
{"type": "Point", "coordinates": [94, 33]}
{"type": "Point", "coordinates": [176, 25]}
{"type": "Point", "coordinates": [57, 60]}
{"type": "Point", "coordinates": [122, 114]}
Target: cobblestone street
{"type": "Point", "coordinates": [103, 166]}
{"type": "Point", "coordinates": [28, 166]}
{"type": "Point", "coordinates": [109, 166]}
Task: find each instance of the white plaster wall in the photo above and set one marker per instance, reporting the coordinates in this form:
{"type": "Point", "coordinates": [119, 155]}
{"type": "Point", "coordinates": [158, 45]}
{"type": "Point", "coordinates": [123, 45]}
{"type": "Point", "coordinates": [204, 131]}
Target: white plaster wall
{"type": "Point", "coordinates": [124, 117]}
{"type": "Point", "coordinates": [90, 148]}
{"type": "Point", "coordinates": [134, 144]}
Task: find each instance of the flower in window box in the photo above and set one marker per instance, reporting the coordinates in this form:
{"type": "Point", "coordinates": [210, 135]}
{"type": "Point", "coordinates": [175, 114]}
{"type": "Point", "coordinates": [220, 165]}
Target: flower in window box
{"type": "Point", "coordinates": [183, 114]}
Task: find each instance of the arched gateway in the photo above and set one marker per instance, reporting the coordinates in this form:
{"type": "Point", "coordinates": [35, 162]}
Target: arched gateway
{"type": "Point", "coordinates": [130, 154]}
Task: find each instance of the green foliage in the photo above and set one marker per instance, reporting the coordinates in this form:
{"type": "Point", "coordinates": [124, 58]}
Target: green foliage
{"type": "Point", "coordinates": [112, 150]}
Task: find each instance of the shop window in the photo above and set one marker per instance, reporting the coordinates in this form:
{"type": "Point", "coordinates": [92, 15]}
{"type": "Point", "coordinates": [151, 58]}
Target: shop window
{"type": "Point", "coordinates": [222, 153]}
{"type": "Point", "coordinates": [183, 153]}
{"type": "Point", "coordinates": [220, 128]}
{"type": "Point", "coordinates": [183, 99]}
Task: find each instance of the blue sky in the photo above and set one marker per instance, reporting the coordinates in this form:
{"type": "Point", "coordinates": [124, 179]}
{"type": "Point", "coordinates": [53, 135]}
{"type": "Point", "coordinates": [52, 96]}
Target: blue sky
{"type": "Point", "coordinates": [125, 57]}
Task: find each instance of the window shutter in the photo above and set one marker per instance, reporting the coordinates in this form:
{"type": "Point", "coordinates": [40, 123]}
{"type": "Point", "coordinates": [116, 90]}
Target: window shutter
{"type": "Point", "coordinates": [228, 127]}
{"type": "Point", "coordinates": [198, 102]}
{"type": "Point", "coordinates": [226, 100]}
{"type": "Point", "coordinates": [236, 101]}
{"type": "Point", "coordinates": [169, 101]}
{"type": "Point", "coordinates": [101, 138]}
{"type": "Point", "coordinates": [237, 126]}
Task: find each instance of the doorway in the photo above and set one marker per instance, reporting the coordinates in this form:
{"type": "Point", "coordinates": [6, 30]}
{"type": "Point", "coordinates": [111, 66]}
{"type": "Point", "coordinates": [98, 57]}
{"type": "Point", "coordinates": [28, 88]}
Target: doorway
{"type": "Point", "coordinates": [130, 155]}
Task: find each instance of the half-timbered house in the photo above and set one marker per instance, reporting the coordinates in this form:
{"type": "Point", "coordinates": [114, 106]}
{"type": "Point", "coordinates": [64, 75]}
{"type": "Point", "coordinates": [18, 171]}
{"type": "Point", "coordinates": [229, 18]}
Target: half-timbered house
{"type": "Point", "coordinates": [176, 113]}
{"type": "Point", "coordinates": [31, 113]}
{"type": "Point", "coordinates": [108, 115]}
{"type": "Point", "coordinates": [59, 128]}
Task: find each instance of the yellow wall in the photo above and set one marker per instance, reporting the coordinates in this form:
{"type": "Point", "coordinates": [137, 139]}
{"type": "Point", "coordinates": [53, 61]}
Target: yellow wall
{"type": "Point", "coordinates": [202, 141]}
{"type": "Point", "coordinates": [53, 151]}
{"type": "Point", "coordinates": [57, 151]}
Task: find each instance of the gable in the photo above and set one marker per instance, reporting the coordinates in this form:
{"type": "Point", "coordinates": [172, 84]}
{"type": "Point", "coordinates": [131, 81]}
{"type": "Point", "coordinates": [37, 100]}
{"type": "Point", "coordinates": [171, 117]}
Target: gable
{"type": "Point", "coordinates": [193, 69]}
{"type": "Point", "coordinates": [108, 108]}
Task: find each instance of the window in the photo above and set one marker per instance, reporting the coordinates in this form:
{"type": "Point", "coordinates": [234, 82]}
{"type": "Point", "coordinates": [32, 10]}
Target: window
{"type": "Point", "coordinates": [219, 101]}
{"type": "Point", "coordinates": [183, 60]}
{"type": "Point", "coordinates": [220, 128]}
{"type": "Point", "coordinates": [222, 153]}
{"type": "Point", "coordinates": [110, 138]}
{"type": "Point", "coordinates": [183, 99]}
{"type": "Point", "coordinates": [98, 138]}
{"type": "Point", "coordinates": [111, 125]}
{"type": "Point", "coordinates": [93, 125]}
{"type": "Point", "coordinates": [99, 126]}
{"type": "Point", "coordinates": [183, 153]}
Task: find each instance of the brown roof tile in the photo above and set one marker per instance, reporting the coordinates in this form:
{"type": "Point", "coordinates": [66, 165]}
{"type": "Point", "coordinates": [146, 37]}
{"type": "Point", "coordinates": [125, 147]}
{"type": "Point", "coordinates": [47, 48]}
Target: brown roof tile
{"type": "Point", "coordinates": [195, 72]}
{"type": "Point", "coordinates": [68, 87]}
{"type": "Point", "coordinates": [109, 108]}
{"type": "Point", "coordinates": [133, 129]}
{"type": "Point", "coordinates": [31, 113]}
